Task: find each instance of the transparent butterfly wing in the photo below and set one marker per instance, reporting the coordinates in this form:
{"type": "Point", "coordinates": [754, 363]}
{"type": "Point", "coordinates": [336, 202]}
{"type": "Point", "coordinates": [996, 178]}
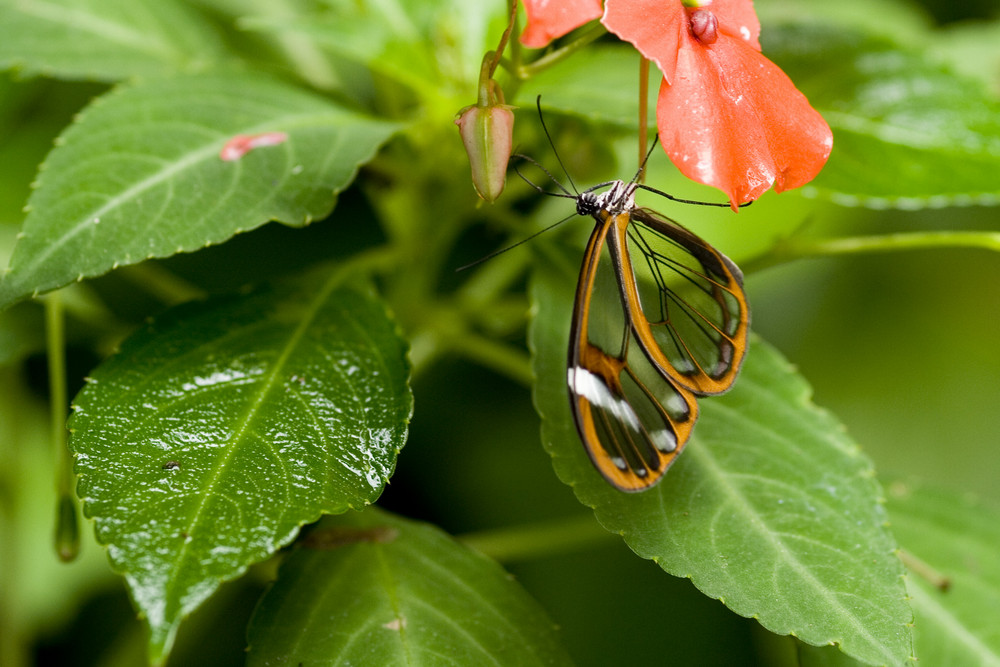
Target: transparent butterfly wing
{"type": "Point", "coordinates": [632, 417]}
{"type": "Point", "coordinates": [688, 304]}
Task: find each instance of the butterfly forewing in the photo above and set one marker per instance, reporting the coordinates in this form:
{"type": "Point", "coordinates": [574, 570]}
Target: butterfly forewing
{"type": "Point", "coordinates": [632, 418]}
{"type": "Point", "coordinates": [691, 296]}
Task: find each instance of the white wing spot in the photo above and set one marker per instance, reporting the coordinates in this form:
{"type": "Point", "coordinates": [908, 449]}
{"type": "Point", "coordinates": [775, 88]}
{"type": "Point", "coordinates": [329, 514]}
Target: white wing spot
{"type": "Point", "coordinates": [664, 440]}
{"type": "Point", "coordinates": [589, 386]}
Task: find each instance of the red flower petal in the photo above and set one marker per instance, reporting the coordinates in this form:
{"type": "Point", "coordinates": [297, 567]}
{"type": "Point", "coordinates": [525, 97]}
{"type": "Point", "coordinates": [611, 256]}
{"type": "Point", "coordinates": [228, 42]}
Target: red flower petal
{"type": "Point", "coordinates": [654, 27]}
{"type": "Point", "coordinates": [548, 19]}
{"type": "Point", "coordinates": [657, 28]}
{"type": "Point", "coordinates": [734, 121]}
{"type": "Point", "coordinates": [738, 19]}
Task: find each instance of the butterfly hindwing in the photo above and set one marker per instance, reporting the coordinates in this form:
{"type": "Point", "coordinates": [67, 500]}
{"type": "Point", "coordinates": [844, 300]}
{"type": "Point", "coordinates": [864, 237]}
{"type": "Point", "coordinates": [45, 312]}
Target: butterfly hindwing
{"type": "Point", "coordinates": [691, 296]}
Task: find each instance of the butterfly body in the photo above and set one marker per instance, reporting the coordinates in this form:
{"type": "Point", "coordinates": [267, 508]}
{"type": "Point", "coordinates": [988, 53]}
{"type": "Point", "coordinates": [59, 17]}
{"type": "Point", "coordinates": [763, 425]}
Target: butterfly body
{"type": "Point", "coordinates": [639, 359]}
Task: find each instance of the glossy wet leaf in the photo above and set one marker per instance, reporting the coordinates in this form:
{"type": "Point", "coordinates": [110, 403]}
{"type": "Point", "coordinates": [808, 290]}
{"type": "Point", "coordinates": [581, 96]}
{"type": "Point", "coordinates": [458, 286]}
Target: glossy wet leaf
{"type": "Point", "coordinates": [105, 40]}
{"type": "Point", "coordinates": [139, 175]}
{"type": "Point", "coordinates": [939, 131]}
{"type": "Point", "coordinates": [222, 427]}
{"type": "Point", "coordinates": [951, 542]}
{"type": "Point", "coordinates": [771, 508]}
{"type": "Point", "coordinates": [373, 589]}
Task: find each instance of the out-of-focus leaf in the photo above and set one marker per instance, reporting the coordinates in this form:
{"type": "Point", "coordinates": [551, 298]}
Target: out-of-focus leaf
{"type": "Point", "coordinates": [908, 133]}
{"type": "Point", "coordinates": [590, 85]}
{"type": "Point", "coordinates": [140, 174]}
{"type": "Point", "coordinates": [771, 508]}
{"type": "Point", "coordinates": [420, 44]}
{"type": "Point", "coordinates": [104, 40]}
{"type": "Point", "coordinates": [373, 589]}
{"type": "Point", "coordinates": [970, 48]}
{"type": "Point", "coordinates": [22, 332]}
{"type": "Point", "coordinates": [44, 591]}
{"type": "Point", "coordinates": [951, 543]}
{"type": "Point", "coordinates": [899, 19]}
{"type": "Point", "coordinates": [32, 113]}
{"type": "Point", "coordinates": [222, 427]}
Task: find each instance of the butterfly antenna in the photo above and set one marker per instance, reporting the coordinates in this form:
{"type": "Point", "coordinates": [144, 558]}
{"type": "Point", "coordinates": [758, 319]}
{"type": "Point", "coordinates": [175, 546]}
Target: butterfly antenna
{"type": "Point", "coordinates": [514, 245]}
{"type": "Point", "coordinates": [635, 179]}
{"type": "Point", "coordinates": [538, 103]}
{"type": "Point", "coordinates": [565, 192]}
{"type": "Point", "coordinates": [642, 167]}
{"type": "Point", "coordinates": [690, 201]}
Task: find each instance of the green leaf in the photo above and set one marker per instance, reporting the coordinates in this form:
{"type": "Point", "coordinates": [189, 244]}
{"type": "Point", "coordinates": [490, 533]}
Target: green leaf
{"type": "Point", "coordinates": [825, 656]}
{"type": "Point", "coordinates": [373, 589]}
{"type": "Point", "coordinates": [894, 106]}
{"type": "Point", "coordinates": [970, 48]}
{"type": "Point", "coordinates": [589, 85]}
{"type": "Point", "coordinates": [22, 332]}
{"type": "Point", "coordinates": [899, 19]}
{"type": "Point", "coordinates": [34, 582]}
{"type": "Point", "coordinates": [105, 40]}
{"type": "Point", "coordinates": [432, 47]}
{"type": "Point", "coordinates": [950, 542]}
{"type": "Point", "coordinates": [771, 508]}
{"type": "Point", "coordinates": [222, 427]}
{"type": "Point", "coordinates": [140, 176]}
{"type": "Point", "coordinates": [32, 112]}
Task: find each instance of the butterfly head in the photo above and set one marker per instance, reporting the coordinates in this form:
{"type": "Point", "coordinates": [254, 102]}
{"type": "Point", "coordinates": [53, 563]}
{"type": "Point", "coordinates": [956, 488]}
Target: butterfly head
{"type": "Point", "coordinates": [620, 197]}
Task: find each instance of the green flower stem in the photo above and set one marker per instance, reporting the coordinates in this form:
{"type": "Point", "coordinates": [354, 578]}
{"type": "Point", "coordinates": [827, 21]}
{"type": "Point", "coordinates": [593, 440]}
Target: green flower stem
{"type": "Point", "coordinates": [161, 283]}
{"type": "Point", "coordinates": [792, 249]}
{"type": "Point", "coordinates": [516, 52]}
{"type": "Point", "coordinates": [496, 55]}
{"type": "Point", "coordinates": [504, 359]}
{"type": "Point", "coordinates": [549, 59]}
{"type": "Point", "coordinates": [55, 340]}
{"type": "Point", "coordinates": [491, 279]}
{"type": "Point", "coordinates": [446, 331]}
{"type": "Point", "coordinates": [67, 532]}
{"type": "Point", "coordinates": [925, 571]}
{"type": "Point", "coordinates": [537, 540]}
{"type": "Point", "coordinates": [380, 259]}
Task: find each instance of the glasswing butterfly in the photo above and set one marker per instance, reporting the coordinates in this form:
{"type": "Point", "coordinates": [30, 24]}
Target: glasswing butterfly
{"type": "Point", "coordinates": [659, 319]}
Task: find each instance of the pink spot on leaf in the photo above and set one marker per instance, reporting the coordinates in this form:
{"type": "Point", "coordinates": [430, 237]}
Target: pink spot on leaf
{"type": "Point", "coordinates": [242, 144]}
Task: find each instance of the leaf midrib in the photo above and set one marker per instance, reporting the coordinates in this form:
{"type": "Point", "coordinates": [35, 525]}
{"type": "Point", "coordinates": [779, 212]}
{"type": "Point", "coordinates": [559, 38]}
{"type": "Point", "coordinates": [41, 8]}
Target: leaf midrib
{"type": "Point", "coordinates": [253, 407]}
{"type": "Point", "coordinates": [956, 629]}
{"type": "Point", "coordinates": [81, 21]}
{"type": "Point", "coordinates": [710, 466]}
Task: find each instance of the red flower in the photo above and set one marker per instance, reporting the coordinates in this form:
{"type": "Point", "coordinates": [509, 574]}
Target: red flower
{"type": "Point", "coordinates": [548, 19]}
{"type": "Point", "coordinates": [727, 116]}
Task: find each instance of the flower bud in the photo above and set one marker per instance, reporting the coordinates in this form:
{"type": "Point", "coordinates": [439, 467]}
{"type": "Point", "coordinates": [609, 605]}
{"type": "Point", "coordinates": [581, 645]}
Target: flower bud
{"type": "Point", "coordinates": [488, 135]}
{"type": "Point", "coordinates": [705, 26]}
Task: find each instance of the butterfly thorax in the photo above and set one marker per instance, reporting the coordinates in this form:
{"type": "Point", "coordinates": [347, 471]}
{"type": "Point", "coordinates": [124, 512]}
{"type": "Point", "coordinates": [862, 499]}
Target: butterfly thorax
{"type": "Point", "coordinates": [620, 197]}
